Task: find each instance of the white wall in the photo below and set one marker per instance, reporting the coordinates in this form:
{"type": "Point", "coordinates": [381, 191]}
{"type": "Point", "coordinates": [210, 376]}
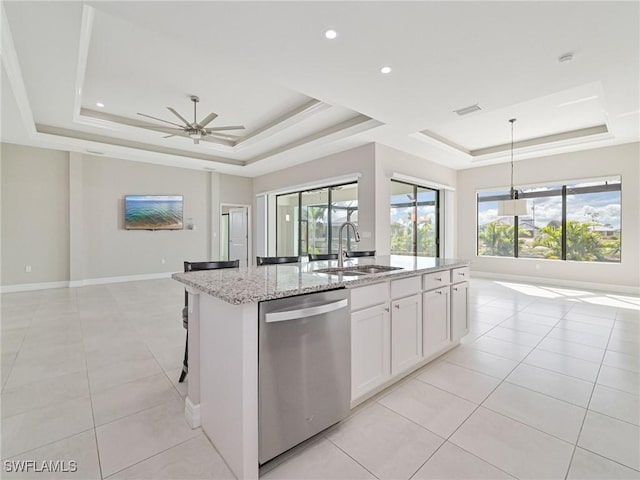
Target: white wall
{"type": "Point", "coordinates": [62, 213]}
{"type": "Point", "coordinates": [390, 161]}
{"type": "Point", "coordinates": [35, 214]}
{"type": "Point", "coordinates": [621, 160]}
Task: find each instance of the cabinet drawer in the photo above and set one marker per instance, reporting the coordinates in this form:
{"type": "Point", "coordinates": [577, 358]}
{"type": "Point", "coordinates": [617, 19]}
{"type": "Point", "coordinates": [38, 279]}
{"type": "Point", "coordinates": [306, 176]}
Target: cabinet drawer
{"type": "Point", "coordinates": [405, 287]}
{"type": "Point", "coordinates": [461, 274]}
{"type": "Point", "coordinates": [435, 280]}
{"type": "Point", "coordinates": [370, 295]}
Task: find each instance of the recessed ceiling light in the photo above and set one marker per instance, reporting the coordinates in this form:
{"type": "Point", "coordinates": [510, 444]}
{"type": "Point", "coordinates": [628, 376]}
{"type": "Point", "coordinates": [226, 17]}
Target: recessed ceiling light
{"type": "Point", "coordinates": [330, 34]}
{"type": "Point", "coordinates": [100, 104]}
{"type": "Point", "coordinates": [385, 70]}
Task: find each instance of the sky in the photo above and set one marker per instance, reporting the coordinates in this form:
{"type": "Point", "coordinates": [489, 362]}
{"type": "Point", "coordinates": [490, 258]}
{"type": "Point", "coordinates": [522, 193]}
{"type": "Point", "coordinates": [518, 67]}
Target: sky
{"type": "Point", "coordinates": [605, 206]}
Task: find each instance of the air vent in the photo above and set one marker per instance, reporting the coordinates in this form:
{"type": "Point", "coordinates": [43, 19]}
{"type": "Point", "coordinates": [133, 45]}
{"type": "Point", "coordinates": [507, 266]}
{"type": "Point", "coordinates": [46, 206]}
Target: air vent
{"type": "Point", "coordinates": [468, 110]}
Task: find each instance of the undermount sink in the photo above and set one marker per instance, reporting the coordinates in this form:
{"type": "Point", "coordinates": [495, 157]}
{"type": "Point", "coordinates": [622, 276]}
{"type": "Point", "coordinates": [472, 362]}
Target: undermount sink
{"type": "Point", "coordinates": [357, 270]}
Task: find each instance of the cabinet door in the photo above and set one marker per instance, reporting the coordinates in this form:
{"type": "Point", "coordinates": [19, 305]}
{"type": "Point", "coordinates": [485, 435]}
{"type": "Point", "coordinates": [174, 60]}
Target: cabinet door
{"type": "Point", "coordinates": [436, 326]}
{"type": "Point", "coordinates": [406, 333]}
{"type": "Point", "coordinates": [459, 310]}
{"type": "Point", "coordinates": [370, 349]}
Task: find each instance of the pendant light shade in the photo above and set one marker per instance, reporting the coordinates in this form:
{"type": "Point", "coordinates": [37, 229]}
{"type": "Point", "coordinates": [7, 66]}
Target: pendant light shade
{"type": "Point", "coordinates": [514, 206]}
{"type": "Point", "coordinates": [511, 208]}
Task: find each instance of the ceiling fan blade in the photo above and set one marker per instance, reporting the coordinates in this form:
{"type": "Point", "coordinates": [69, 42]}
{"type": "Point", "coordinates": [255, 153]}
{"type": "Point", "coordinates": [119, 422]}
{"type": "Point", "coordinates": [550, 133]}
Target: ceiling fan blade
{"type": "Point", "coordinates": [160, 120]}
{"type": "Point", "coordinates": [179, 116]}
{"type": "Point", "coordinates": [169, 136]}
{"type": "Point", "coordinates": [219, 129]}
{"type": "Point", "coordinates": [207, 120]}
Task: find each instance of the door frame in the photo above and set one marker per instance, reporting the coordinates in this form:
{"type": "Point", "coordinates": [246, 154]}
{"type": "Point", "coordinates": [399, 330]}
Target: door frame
{"type": "Point", "coordinates": [250, 259]}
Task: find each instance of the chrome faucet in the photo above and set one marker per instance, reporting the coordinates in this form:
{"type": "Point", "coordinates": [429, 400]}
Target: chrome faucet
{"type": "Point", "coordinates": [340, 251]}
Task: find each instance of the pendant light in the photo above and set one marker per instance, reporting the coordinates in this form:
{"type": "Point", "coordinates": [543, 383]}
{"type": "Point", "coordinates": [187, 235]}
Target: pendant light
{"type": "Point", "coordinates": [513, 206]}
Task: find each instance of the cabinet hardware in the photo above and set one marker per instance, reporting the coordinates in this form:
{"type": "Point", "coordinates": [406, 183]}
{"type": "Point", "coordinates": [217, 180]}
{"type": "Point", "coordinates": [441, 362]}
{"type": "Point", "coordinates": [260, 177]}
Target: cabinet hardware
{"type": "Point", "coordinates": [461, 274]}
{"type": "Point", "coordinates": [397, 306]}
{"type": "Point", "coordinates": [455, 289]}
{"type": "Point", "coordinates": [439, 292]}
{"type": "Point", "coordinates": [386, 309]}
{"type": "Point", "coordinates": [439, 279]}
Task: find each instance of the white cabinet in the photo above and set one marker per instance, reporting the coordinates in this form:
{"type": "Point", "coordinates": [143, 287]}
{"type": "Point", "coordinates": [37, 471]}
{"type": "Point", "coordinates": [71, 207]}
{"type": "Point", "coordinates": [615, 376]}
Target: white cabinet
{"type": "Point", "coordinates": [459, 310]}
{"type": "Point", "coordinates": [436, 329]}
{"type": "Point", "coordinates": [370, 349]}
{"type": "Point", "coordinates": [406, 332]}
{"type": "Point", "coordinates": [398, 325]}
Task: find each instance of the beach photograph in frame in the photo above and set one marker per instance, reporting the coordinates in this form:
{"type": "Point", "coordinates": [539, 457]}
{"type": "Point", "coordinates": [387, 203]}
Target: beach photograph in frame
{"type": "Point", "coordinates": [153, 212]}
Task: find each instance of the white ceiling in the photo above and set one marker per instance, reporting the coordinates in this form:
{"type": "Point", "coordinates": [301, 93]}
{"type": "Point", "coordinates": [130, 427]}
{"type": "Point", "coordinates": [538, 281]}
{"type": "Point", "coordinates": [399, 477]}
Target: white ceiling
{"type": "Point", "coordinates": [267, 65]}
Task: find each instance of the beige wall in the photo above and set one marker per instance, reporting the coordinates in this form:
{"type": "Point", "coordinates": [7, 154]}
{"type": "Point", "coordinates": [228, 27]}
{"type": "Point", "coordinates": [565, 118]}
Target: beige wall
{"type": "Point", "coordinates": [35, 214]}
{"type": "Point", "coordinates": [621, 160]}
{"type": "Point", "coordinates": [62, 213]}
{"type": "Point", "coordinates": [113, 251]}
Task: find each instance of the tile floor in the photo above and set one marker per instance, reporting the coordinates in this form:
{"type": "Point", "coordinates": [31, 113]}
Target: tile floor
{"type": "Point", "coordinates": [546, 385]}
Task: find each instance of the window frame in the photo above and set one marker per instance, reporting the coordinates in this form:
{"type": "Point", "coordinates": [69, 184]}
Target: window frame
{"type": "Point", "coordinates": [329, 207]}
{"type": "Point", "coordinates": [415, 204]}
{"type": "Point", "coordinates": [563, 191]}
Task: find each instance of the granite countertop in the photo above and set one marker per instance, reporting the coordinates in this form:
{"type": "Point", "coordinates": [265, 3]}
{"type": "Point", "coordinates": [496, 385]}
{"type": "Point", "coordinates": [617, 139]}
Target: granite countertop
{"type": "Point", "coordinates": [256, 284]}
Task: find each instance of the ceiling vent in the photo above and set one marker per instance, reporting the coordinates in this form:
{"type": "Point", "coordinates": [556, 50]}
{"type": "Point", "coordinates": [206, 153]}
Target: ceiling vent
{"type": "Point", "coordinates": [468, 110]}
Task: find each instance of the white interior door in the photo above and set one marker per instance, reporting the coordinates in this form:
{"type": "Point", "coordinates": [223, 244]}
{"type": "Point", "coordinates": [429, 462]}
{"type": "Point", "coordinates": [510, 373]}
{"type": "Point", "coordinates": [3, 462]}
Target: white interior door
{"type": "Point", "coordinates": [238, 246]}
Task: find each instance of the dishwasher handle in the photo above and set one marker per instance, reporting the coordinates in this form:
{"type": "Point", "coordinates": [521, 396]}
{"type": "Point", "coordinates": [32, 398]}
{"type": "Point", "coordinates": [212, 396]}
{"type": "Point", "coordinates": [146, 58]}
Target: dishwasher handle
{"type": "Point", "coordinates": [305, 312]}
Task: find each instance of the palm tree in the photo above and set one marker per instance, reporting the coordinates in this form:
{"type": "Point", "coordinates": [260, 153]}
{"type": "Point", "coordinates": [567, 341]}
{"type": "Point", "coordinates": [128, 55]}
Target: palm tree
{"type": "Point", "coordinates": [496, 240]}
{"type": "Point", "coordinates": [582, 243]}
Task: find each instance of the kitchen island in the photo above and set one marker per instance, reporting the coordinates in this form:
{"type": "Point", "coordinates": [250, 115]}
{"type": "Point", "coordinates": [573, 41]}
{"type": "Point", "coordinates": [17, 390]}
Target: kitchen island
{"type": "Point", "coordinates": [401, 319]}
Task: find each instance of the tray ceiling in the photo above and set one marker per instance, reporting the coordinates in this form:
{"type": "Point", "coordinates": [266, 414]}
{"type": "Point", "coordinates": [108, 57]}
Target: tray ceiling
{"type": "Point", "coordinates": [267, 66]}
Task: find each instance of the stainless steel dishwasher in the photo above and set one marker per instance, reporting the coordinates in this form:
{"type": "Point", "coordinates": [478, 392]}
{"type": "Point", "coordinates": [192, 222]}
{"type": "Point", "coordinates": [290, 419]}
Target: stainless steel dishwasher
{"type": "Point", "coordinates": [304, 368]}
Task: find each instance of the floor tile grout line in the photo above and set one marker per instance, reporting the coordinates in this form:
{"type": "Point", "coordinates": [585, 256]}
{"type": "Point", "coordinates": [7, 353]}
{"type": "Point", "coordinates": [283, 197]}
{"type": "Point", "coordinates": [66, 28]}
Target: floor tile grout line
{"type": "Point", "coordinates": [464, 421]}
{"type": "Point", "coordinates": [152, 456]}
{"type": "Point", "coordinates": [477, 371]}
{"type": "Point", "coordinates": [93, 415]}
{"type": "Point", "coordinates": [542, 393]}
{"type": "Point", "coordinates": [410, 420]}
{"type": "Point", "coordinates": [606, 458]}
{"type": "Point", "coordinates": [48, 443]}
{"type": "Point", "coordinates": [138, 412]}
{"type": "Point", "coordinates": [348, 455]}
{"type": "Point", "coordinates": [445, 439]}
{"type": "Point", "coordinates": [498, 413]}
{"type": "Point", "coordinates": [586, 413]}
{"type": "Point", "coordinates": [562, 373]}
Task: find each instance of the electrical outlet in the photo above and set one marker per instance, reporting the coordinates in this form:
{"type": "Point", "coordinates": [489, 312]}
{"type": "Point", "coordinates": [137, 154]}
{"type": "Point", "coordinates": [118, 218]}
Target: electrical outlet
{"type": "Point", "coordinates": [27, 268]}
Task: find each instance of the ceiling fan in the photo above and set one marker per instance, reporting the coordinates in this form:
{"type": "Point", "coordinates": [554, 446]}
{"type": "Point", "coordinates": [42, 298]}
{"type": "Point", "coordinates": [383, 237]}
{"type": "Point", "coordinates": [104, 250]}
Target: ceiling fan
{"type": "Point", "coordinates": [195, 130]}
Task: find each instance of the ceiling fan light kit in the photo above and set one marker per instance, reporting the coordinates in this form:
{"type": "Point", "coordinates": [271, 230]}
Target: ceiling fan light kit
{"type": "Point", "coordinates": [196, 130]}
{"type": "Point", "coordinates": [514, 206]}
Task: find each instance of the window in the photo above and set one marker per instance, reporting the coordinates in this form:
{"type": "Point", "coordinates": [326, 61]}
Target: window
{"type": "Point", "coordinates": [308, 221]}
{"type": "Point", "coordinates": [414, 220]}
{"type": "Point", "coordinates": [579, 222]}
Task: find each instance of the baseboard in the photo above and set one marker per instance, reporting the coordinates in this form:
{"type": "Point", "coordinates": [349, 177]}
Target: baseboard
{"type": "Point", "coordinates": [192, 413]}
{"type": "Point", "coordinates": [121, 279]}
{"type": "Point", "coordinates": [556, 282]}
{"type": "Point", "coordinates": [26, 287]}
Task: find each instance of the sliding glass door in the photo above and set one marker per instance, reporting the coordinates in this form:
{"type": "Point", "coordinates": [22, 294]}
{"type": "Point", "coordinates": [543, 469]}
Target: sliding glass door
{"type": "Point", "coordinates": [414, 220]}
{"type": "Point", "coordinates": [308, 221]}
